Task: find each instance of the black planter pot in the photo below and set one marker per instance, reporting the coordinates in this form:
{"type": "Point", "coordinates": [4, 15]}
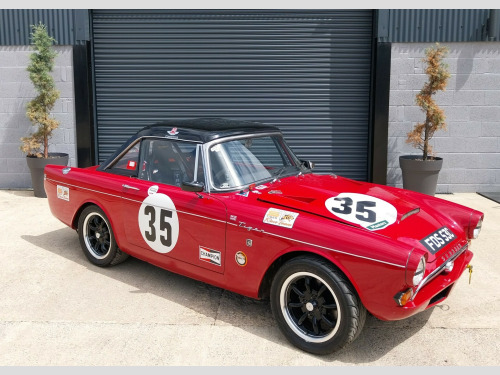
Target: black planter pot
{"type": "Point", "coordinates": [37, 165]}
{"type": "Point", "coordinates": [420, 175]}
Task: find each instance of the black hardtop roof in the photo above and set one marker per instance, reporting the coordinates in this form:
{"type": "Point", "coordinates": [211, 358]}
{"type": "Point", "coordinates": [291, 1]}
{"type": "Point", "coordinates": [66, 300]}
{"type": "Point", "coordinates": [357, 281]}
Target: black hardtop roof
{"type": "Point", "coordinates": [196, 130]}
{"type": "Point", "coordinates": [205, 129]}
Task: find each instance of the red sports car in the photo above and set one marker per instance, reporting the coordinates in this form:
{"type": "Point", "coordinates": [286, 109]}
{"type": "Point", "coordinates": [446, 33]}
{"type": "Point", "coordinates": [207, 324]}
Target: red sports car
{"type": "Point", "coordinates": [229, 203]}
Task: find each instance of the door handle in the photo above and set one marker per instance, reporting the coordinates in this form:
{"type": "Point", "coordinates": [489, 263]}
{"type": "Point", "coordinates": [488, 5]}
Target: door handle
{"type": "Point", "coordinates": [130, 187]}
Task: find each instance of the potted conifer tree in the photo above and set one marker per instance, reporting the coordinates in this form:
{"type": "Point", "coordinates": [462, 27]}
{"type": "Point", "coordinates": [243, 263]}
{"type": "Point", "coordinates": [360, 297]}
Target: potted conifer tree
{"type": "Point", "coordinates": [36, 145]}
{"type": "Point", "coordinates": [420, 172]}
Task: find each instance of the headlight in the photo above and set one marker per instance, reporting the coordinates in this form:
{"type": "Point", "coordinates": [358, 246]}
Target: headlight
{"type": "Point", "coordinates": [477, 229]}
{"type": "Point", "coordinates": [419, 273]}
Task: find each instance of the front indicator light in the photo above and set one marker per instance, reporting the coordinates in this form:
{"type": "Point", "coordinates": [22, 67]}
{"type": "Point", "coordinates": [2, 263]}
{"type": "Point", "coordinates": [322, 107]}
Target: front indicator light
{"type": "Point", "coordinates": [402, 298]}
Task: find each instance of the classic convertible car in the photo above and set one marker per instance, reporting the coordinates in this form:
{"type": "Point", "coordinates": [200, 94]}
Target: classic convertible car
{"type": "Point", "coordinates": [228, 203]}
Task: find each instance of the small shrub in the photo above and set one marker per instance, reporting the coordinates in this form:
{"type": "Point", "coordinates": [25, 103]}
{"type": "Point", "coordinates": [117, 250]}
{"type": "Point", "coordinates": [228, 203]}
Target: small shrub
{"type": "Point", "coordinates": [438, 75]}
{"type": "Point", "coordinates": [38, 110]}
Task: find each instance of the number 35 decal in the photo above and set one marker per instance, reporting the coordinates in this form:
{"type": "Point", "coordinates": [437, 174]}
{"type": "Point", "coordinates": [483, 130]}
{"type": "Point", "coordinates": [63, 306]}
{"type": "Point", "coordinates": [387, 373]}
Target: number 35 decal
{"type": "Point", "coordinates": [158, 222]}
{"type": "Point", "coordinates": [367, 211]}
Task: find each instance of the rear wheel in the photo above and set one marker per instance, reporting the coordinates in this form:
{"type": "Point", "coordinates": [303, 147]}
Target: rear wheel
{"type": "Point", "coordinates": [97, 239]}
{"type": "Point", "coordinates": [315, 306]}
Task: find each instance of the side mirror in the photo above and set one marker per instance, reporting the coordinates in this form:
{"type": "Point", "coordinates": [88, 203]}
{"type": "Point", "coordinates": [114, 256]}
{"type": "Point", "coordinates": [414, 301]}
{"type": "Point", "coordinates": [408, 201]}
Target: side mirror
{"type": "Point", "coordinates": [193, 186]}
{"type": "Point", "coordinates": [308, 164]}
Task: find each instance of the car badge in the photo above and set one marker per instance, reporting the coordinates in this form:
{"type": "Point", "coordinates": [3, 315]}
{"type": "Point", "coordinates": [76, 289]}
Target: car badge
{"type": "Point", "coordinates": [66, 170]}
{"type": "Point", "coordinates": [275, 192]}
{"type": "Point", "coordinates": [174, 131]}
{"type": "Point", "coordinates": [240, 258]}
{"type": "Point", "coordinates": [153, 190]}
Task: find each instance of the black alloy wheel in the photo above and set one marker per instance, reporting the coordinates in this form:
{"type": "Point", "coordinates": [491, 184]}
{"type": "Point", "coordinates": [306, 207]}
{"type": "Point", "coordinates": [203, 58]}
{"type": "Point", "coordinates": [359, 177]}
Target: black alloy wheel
{"type": "Point", "coordinates": [311, 307]}
{"type": "Point", "coordinates": [97, 239]}
{"type": "Point", "coordinates": [315, 305]}
{"type": "Point", "coordinates": [97, 236]}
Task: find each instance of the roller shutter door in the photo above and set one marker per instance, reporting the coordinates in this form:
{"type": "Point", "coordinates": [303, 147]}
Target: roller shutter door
{"type": "Point", "coordinates": [307, 72]}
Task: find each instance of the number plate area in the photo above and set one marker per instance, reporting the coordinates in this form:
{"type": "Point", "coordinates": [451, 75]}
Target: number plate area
{"type": "Point", "coordinates": [438, 239]}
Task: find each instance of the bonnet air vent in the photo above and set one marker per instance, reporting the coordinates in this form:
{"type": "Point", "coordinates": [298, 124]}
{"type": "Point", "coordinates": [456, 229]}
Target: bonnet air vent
{"type": "Point", "coordinates": [412, 212]}
{"type": "Point", "coordinates": [301, 199]}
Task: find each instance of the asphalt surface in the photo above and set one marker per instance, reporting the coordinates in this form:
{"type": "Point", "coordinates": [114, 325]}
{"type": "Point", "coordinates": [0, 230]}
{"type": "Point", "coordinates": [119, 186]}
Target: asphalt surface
{"type": "Point", "coordinates": [57, 309]}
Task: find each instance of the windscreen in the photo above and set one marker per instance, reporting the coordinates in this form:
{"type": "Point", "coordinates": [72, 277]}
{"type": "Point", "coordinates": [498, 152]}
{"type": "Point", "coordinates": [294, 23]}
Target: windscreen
{"type": "Point", "coordinates": [239, 163]}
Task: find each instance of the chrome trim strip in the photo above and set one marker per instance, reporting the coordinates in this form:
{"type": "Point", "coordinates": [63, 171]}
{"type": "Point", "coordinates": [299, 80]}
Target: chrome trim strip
{"type": "Point", "coordinates": [326, 248]}
{"type": "Point", "coordinates": [76, 186]}
{"type": "Point", "coordinates": [173, 138]}
{"type": "Point", "coordinates": [203, 217]}
{"type": "Point", "coordinates": [437, 271]}
{"type": "Point", "coordinates": [237, 225]}
{"type": "Point", "coordinates": [132, 200]}
{"type": "Point", "coordinates": [196, 161]}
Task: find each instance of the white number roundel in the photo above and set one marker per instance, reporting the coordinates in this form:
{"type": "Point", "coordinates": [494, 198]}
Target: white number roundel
{"type": "Point", "coordinates": [369, 212]}
{"type": "Point", "coordinates": [158, 222]}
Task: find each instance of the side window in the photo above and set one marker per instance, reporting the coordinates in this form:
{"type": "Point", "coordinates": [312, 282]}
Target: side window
{"type": "Point", "coordinates": [168, 162]}
{"type": "Point", "coordinates": [128, 164]}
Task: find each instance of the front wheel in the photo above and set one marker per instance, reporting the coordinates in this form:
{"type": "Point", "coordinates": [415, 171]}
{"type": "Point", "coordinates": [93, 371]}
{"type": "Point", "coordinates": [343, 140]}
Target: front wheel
{"type": "Point", "coordinates": [315, 306]}
{"type": "Point", "coordinates": [97, 239]}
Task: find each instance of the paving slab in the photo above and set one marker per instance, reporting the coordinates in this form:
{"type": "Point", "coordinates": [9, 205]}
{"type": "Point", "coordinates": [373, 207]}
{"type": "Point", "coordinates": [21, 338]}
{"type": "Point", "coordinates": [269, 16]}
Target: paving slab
{"type": "Point", "coordinates": [57, 309]}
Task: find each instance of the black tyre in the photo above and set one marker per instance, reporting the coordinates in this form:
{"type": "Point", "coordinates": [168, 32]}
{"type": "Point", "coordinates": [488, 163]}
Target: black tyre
{"type": "Point", "coordinates": [97, 239]}
{"type": "Point", "coordinates": [315, 306]}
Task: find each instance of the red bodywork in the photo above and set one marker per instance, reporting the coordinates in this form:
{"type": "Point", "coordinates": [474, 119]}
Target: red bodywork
{"type": "Point", "coordinates": [379, 263]}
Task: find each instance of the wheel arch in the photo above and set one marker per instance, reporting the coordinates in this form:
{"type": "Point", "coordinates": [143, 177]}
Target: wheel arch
{"type": "Point", "coordinates": [265, 285]}
{"type": "Point", "coordinates": [76, 216]}
{"type": "Point", "coordinates": [78, 213]}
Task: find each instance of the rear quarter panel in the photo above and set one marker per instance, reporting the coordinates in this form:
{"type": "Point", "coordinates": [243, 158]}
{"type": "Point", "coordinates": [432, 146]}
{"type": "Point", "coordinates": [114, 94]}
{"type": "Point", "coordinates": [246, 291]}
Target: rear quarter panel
{"type": "Point", "coordinates": [84, 186]}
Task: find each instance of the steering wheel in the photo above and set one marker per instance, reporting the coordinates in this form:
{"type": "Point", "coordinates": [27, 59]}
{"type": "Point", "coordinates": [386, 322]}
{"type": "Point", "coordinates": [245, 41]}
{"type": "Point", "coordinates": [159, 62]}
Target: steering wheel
{"type": "Point", "coordinates": [220, 178]}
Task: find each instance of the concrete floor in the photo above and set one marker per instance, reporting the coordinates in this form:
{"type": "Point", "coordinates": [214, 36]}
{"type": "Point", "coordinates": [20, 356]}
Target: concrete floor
{"type": "Point", "coordinates": [57, 309]}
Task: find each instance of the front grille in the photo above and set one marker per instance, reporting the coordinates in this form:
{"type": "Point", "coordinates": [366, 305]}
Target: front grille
{"type": "Point", "coordinates": [438, 270]}
{"type": "Point", "coordinates": [440, 296]}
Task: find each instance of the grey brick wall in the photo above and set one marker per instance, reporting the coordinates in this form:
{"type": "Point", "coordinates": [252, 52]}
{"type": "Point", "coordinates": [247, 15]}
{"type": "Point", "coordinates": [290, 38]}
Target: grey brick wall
{"type": "Point", "coordinates": [470, 147]}
{"type": "Point", "coordinates": [16, 90]}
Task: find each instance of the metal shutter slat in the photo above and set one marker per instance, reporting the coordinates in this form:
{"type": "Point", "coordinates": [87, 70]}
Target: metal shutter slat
{"type": "Point", "coordinates": [307, 72]}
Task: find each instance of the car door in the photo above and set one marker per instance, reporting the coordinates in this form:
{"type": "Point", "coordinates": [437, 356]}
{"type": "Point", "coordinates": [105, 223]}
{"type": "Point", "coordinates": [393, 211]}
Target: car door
{"type": "Point", "coordinates": [161, 218]}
